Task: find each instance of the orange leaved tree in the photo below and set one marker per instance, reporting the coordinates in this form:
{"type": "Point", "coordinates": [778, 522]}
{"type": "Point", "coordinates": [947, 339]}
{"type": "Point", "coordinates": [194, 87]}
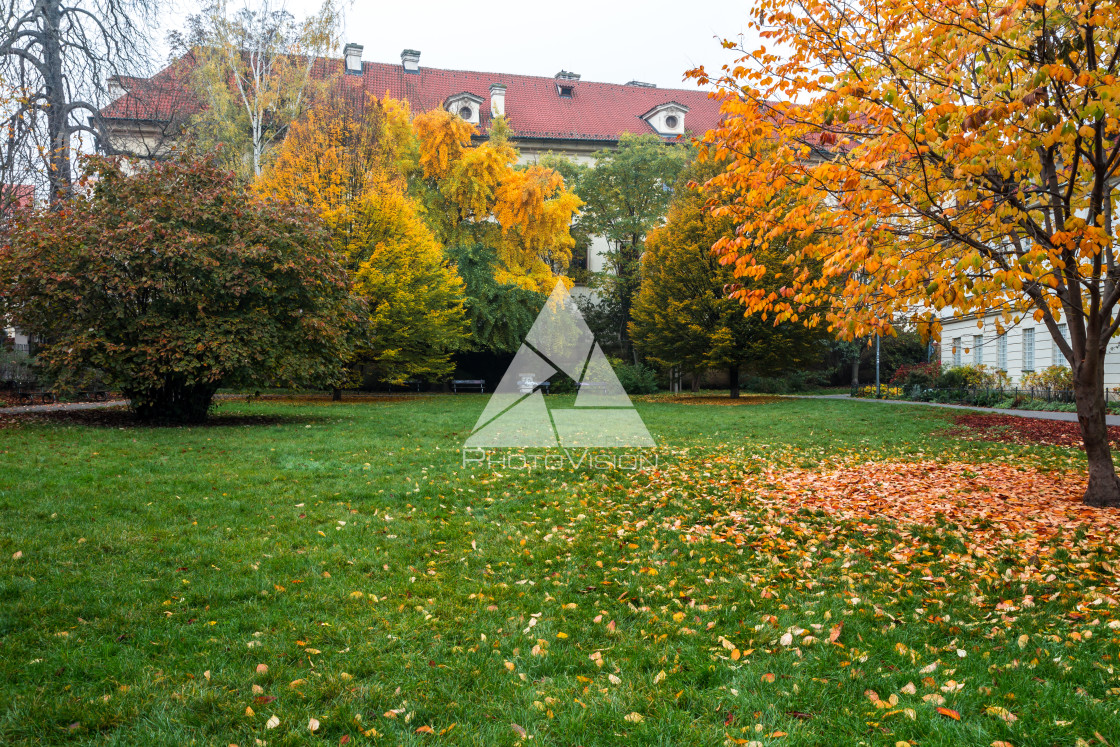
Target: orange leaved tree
{"type": "Point", "coordinates": [474, 195]}
{"type": "Point", "coordinates": [958, 155]}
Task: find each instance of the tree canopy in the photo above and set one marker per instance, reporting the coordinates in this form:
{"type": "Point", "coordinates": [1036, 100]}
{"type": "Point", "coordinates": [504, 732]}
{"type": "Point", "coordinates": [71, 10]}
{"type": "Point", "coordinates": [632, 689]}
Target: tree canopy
{"type": "Point", "coordinates": [682, 315]}
{"type": "Point", "coordinates": [942, 156]}
{"type": "Point", "coordinates": [473, 194]}
{"type": "Point", "coordinates": [347, 158]}
{"type": "Point", "coordinates": [626, 194]}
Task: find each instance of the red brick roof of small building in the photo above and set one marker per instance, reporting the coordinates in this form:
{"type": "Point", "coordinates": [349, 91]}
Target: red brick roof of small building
{"type": "Point", "coordinates": [533, 106]}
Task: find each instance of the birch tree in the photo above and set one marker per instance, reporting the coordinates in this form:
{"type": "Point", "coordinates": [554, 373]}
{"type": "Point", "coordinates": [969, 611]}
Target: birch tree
{"type": "Point", "coordinates": [253, 71]}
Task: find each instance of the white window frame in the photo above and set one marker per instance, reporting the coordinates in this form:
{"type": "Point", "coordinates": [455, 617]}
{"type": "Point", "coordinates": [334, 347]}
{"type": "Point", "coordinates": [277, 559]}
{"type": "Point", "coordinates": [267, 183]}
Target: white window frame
{"type": "Point", "coordinates": [978, 350]}
{"type": "Point", "coordinates": [1028, 350]}
{"type": "Point", "coordinates": [1056, 357]}
{"type": "Point", "coordinates": [956, 352]}
{"type": "Point", "coordinates": [1001, 352]}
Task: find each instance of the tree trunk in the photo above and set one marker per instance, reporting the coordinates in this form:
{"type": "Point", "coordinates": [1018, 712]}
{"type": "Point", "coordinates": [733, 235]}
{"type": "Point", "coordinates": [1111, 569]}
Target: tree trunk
{"type": "Point", "coordinates": [336, 395]}
{"type": "Point", "coordinates": [58, 130]}
{"type": "Point", "coordinates": [695, 382]}
{"type": "Point", "coordinates": [855, 371]}
{"type": "Point", "coordinates": [1088, 389]}
{"type": "Point", "coordinates": [733, 374]}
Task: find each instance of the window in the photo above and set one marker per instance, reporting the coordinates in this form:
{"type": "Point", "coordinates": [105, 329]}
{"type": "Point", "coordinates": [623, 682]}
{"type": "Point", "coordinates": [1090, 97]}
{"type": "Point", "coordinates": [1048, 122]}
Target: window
{"type": "Point", "coordinates": [1028, 349]}
{"type": "Point", "coordinates": [671, 122]}
{"type": "Point", "coordinates": [978, 350]}
{"type": "Point", "coordinates": [1056, 357]}
{"type": "Point", "coordinates": [956, 351]}
{"type": "Point", "coordinates": [466, 112]}
{"type": "Point", "coordinates": [1001, 352]}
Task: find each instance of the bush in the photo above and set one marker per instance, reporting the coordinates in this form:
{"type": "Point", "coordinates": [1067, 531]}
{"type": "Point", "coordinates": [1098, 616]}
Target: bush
{"type": "Point", "coordinates": [798, 381]}
{"type": "Point", "coordinates": [1056, 378]}
{"type": "Point", "coordinates": [635, 378]}
{"type": "Point", "coordinates": [174, 282]}
{"type": "Point", "coordinates": [973, 377]}
{"type": "Point", "coordinates": [910, 375]}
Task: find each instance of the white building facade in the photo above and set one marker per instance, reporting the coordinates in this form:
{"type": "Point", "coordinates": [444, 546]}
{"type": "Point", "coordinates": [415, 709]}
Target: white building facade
{"type": "Point", "coordinates": [1023, 348]}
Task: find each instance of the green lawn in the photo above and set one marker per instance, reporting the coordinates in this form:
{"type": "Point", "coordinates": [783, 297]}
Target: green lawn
{"type": "Point", "coordinates": [397, 598]}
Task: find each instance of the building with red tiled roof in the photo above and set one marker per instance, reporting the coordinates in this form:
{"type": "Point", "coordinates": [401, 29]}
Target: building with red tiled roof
{"type": "Point", "coordinates": [564, 114]}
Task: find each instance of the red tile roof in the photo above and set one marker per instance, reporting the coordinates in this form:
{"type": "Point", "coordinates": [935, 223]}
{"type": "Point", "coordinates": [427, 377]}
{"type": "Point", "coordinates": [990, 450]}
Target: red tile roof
{"type": "Point", "coordinates": [534, 109]}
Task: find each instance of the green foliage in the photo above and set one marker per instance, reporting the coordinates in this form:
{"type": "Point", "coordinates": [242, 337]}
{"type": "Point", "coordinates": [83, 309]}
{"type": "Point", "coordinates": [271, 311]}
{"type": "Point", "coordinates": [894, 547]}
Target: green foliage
{"type": "Point", "coordinates": [791, 383]}
{"type": "Point", "coordinates": [636, 378]}
{"type": "Point", "coordinates": [626, 195]}
{"type": "Point", "coordinates": [1059, 378]}
{"type": "Point", "coordinates": [682, 315]}
{"type": "Point", "coordinates": [174, 282]}
{"type": "Point", "coordinates": [499, 314]}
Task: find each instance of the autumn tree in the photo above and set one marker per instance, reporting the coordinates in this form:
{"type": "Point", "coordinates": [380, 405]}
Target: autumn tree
{"type": "Point", "coordinates": [56, 62]}
{"type": "Point", "coordinates": [626, 194]}
{"type": "Point", "coordinates": [253, 71]}
{"type": "Point", "coordinates": [346, 158]}
{"type": "Point", "coordinates": [473, 194]}
{"type": "Point", "coordinates": [682, 315]}
{"type": "Point", "coordinates": [945, 156]}
{"type": "Point", "coordinates": [173, 282]}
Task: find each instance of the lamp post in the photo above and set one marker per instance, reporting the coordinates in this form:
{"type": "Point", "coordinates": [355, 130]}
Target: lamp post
{"type": "Point", "coordinates": [876, 365]}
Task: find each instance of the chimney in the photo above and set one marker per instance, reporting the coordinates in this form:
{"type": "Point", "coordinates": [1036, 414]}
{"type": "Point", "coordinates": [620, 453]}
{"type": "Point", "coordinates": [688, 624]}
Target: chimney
{"type": "Point", "coordinates": [640, 84]}
{"type": "Point", "coordinates": [497, 99]}
{"type": "Point", "coordinates": [410, 60]}
{"type": "Point", "coordinates": [114, 87]}
{"type": "Point", "coordinates": [566, 76]}
{"type": "Point", "coordinates": [352, 53]}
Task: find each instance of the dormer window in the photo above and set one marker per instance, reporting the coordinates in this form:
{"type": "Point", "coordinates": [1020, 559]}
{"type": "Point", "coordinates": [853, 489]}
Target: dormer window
{"type": "Point", "coordinates": [465, 105]}
{"type": "Point", "coordinates": [667, 119]}
{"type": "Point", "coordinates": [565, 83]}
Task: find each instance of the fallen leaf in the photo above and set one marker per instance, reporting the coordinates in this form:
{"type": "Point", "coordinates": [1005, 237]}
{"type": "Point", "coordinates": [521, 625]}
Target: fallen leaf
{"type": "Point", "coordinates": [767, 677]}
{"type": "Point", "coordinates": [633, 717]}
{"type": "Point", "coordinates": [950, 713]}
{"type": "Point", "coordinates": [262, 669]}
{"type": "Point", "coordinates": [520, 731]}
{"type": "Point", "coordinates": [313, 724]}
{"type": "Point", "coordinates": [1002, 713]}
{"type": "Point", "coordinates": [909, 688]}
{"type": "Point", "coordinates": [17, 555]}
{"type": "Point", "coordinates": [425, 730]}
{"type": "Point", "coordinates": [272, 723]}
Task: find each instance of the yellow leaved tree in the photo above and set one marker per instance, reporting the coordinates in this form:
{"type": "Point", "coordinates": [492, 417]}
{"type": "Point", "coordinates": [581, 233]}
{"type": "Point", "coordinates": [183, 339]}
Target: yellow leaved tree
{"type": "Point", "coordinates": [347, 157]}
{"type": "Point", "coordinates": [473, 194]}
{"type": "Point", "coordinates": [941, 156]}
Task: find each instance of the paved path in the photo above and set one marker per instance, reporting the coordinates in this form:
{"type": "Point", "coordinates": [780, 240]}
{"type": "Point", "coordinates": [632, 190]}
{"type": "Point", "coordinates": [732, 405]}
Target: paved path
{"type": "Point", "coordinates": [62, 407]}
{"type": "Point", "coordinates": [1069, 417]}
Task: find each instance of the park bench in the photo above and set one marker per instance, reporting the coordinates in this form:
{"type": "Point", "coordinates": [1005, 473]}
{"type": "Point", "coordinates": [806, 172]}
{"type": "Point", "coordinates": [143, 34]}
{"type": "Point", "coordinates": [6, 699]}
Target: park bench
{"type": "Point", "coordinates": [469, 384]}
{"type": "Point", "coordinates": [28, 396]}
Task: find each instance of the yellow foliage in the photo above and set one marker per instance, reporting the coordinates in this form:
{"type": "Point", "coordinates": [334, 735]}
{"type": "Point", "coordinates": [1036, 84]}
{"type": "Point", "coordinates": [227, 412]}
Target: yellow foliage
{"type": "Point", "coordinates": [347, 158]}
{"type": "Point", "coordinates": [476, 193]}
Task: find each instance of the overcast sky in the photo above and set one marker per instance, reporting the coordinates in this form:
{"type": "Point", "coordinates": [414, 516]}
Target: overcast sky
{"type": "Point", "coordinates": [603, 40]}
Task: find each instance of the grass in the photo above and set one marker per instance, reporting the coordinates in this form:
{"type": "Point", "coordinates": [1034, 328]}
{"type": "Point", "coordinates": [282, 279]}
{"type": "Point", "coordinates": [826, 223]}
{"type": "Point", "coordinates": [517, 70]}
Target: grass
{"type": "Point", "coordinates": [392, 594]}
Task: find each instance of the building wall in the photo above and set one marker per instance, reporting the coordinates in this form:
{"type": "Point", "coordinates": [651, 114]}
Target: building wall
{"type": "Point", "coordinates": [958, 347]}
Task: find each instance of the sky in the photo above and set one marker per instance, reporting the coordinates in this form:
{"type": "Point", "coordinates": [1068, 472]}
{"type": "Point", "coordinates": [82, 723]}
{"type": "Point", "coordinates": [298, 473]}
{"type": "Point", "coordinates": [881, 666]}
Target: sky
{"type": "Point", "coordinates": [613, 41]}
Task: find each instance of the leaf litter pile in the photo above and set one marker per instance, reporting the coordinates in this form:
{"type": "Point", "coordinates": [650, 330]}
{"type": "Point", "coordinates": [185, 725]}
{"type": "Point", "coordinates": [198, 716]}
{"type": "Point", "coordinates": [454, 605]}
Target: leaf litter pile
{"type": "Point", "coordinates": [1022, 430]}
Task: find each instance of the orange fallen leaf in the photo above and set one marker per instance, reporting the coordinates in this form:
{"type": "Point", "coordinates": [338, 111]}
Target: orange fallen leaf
{"type": "Point", "coordinates": [949, 712]}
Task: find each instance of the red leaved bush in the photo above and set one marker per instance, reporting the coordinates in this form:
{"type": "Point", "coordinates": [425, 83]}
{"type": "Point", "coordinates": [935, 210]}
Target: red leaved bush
{"type": "Point", "coordinates": [174, 281]}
